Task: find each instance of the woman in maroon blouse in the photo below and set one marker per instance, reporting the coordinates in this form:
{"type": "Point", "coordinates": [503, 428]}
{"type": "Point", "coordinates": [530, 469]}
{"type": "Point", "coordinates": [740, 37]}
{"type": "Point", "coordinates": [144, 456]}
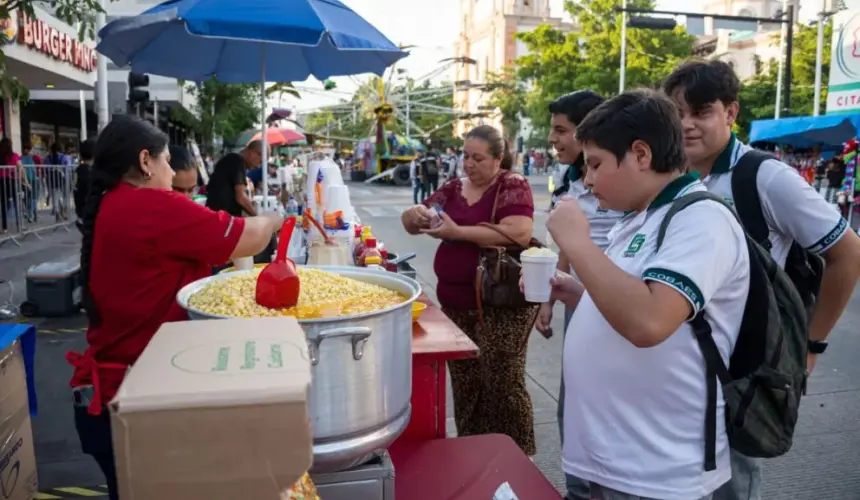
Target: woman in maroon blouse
{"type": "Point", "coordinates": [489, 392]}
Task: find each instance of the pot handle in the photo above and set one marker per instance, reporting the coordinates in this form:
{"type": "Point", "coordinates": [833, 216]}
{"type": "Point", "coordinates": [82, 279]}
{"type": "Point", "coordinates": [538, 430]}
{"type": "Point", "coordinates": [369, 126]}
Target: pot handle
{"type": "Point", "coordinates": [359, 335]}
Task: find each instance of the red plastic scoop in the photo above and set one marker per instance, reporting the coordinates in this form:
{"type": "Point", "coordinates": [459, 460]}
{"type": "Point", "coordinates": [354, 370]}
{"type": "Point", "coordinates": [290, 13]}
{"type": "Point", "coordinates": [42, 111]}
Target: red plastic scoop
{"type": "Point", "coordinates": [278, 283]}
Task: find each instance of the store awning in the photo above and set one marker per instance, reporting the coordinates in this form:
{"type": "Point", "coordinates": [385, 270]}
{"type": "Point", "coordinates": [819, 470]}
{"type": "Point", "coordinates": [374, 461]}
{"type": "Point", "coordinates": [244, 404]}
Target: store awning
{"type": "Point", "coordinates": [828, 131]}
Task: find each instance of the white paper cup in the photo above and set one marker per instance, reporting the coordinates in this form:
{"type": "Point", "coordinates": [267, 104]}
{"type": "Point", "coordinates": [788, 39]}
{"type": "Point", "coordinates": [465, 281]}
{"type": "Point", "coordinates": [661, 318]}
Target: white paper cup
{"type": "Point", "coordinates": [537, 271]}
{"type": "Point", "coordinates": [243, 263]}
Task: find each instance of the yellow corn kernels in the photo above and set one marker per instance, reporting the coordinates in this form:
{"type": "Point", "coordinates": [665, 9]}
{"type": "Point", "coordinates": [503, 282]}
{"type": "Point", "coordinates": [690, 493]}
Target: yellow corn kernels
{"type": "Point", "coordinates": [323, 295]}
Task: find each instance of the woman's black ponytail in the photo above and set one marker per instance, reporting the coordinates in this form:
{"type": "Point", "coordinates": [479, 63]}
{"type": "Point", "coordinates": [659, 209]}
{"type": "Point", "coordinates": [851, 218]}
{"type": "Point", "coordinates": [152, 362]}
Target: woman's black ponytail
{"type": "Point", "coordinates": [117, 153]}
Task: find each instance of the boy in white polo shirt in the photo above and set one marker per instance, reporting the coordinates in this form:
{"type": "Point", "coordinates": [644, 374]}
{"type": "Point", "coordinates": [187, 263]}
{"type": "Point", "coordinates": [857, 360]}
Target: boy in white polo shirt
{"type": "Point", "coordinates": [794, 217]}
{"type": "Point", "coordinates": [635, 376]}
{"type": "Point", "coordinates": [567, 111]}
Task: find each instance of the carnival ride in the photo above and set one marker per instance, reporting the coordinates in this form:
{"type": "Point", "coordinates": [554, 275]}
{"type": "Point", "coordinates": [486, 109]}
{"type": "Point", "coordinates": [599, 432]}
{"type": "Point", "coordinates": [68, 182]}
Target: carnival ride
{"type": "Point", "coordinates": [382, 113]}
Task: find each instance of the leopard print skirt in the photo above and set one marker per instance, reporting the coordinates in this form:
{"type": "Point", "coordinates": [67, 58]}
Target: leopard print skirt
{"type": "Point", "coordinates": [490, 395]}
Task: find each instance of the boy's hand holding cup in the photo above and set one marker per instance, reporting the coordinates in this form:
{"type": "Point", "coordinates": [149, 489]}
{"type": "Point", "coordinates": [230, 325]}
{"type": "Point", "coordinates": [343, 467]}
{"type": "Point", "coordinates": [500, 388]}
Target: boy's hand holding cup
{"type": "Point", "coordinates": [539, 266]}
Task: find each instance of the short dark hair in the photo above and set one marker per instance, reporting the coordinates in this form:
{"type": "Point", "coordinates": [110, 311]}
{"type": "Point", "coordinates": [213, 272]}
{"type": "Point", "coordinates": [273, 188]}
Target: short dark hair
{"type": "Point", "coordinates": [255, 146]}
{"type": "Point", "coordinates": [576, 105]}
{"type": "Point", "coordinates": [704, 82]}
{"type": "Point", "coordinates": [180, 158]}
{"type": "Point", "coordinates": [642, 115]}
{"type": "Point", "coordinates": [88, 149]}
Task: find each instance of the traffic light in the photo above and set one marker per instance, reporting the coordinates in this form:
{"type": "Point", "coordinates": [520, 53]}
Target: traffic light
{"type": "Point", "coordinates": [137, 83]}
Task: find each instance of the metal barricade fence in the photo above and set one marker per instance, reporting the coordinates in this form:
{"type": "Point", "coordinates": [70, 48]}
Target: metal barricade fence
{"type": "Point", "coordinates": [34, 199]}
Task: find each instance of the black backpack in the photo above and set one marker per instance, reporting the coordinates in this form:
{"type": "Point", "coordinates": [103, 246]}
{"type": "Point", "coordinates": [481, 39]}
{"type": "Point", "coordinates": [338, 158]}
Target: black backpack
{"type": "Point", "coordinates": [767, 370]}
{"type": "Point", "coordinates": [804, 268]}
{"type": "Point", "coordinates": [431, 167]}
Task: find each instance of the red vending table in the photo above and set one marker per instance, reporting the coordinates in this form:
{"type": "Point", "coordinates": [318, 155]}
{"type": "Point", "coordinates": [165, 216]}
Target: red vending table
{"type": "Point", "coordinates": [467, 468]}
{"type": "Point", "coordinates": [435, 340]}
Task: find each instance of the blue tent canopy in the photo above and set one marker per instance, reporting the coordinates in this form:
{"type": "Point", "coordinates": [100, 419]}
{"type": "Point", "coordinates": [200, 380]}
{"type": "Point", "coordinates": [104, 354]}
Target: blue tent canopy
{"type": "Point", "coordinates": [828, 131]}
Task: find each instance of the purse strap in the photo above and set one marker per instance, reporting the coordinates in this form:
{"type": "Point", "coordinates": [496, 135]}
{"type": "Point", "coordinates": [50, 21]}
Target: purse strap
{"type": "Point", "coordinates": [492, 224]}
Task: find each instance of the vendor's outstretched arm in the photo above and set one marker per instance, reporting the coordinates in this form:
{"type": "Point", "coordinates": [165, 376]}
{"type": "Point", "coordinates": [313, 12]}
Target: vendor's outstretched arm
{"type": "Point", "coordinates": [256, 235]}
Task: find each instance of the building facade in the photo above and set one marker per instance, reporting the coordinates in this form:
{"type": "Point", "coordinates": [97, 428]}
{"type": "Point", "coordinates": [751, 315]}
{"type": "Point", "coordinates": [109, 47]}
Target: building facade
{"type": "Point", "coordinates": [166, 93]}
{"type": "Point", "coordinates": [742, 49]}
{"type": "Point", "coordinates": [488, 37]}
{"type": "Point", "coordinates": [44, 54]}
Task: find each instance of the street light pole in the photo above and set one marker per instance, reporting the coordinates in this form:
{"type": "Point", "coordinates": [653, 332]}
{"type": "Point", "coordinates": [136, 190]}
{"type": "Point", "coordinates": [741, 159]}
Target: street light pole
{"type": "Point", "coordinates": [819, 54]}
{"type": "Point", "coordinates": [408, 117]}
{"type": "Point", "coordinates": [623, 70]}
{"type": "Point", "coordinates": [789, 44]}
{"type": "Point", "coordinates": [101, 74]}
{"type": "Point", "coordinates": [779, 76]}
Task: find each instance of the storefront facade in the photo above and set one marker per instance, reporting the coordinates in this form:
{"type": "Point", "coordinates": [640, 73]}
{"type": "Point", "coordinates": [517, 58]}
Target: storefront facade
{"type": "Point", "coordinates": [45, 53]}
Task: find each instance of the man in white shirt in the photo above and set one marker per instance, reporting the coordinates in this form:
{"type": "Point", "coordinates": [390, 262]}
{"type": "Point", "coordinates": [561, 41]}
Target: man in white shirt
{"type": "Point", "coordinates": [567, 111]}
{"type": "Point", "coordinates": [635, 377]}
{"type": "Point", "coordinates": [415, 176]}
{"type": "Point", "coordinates": [707, 95]}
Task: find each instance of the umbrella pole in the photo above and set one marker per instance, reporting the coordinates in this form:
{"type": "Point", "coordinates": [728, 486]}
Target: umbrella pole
{"type": "Point", "coordinates": [264, 168]}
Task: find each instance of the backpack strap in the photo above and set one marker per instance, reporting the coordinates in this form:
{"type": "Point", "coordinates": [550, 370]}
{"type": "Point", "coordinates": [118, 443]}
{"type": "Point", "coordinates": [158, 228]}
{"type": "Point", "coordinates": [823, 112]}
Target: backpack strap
{"type": "Point", "coordinates": [682, 203]}
{"type": "Point", "coordinates": [715, 367]}
{"type": "Point", "coordinates": [746, 197]}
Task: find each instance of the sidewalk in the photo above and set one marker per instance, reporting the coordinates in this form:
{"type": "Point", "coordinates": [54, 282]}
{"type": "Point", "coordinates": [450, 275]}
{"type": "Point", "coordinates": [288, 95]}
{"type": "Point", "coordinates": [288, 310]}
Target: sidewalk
{"type": "Point", "coordinates": [62, 244]}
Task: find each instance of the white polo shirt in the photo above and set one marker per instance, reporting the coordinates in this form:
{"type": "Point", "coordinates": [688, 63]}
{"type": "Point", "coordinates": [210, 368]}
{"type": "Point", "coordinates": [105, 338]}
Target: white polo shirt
{"type": "Point", "coordinates": [793, 209]}
{"type": "Point", "coordinates": [634, 418]}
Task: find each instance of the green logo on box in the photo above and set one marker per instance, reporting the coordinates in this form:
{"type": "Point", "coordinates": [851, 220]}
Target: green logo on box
{"type": "Point", "coordinates": [255, 356]}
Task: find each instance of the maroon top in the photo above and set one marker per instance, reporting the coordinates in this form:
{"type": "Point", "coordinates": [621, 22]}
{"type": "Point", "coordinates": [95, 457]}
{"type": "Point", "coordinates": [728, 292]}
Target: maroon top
{"type": "Point", "coordinates": [456, 262]}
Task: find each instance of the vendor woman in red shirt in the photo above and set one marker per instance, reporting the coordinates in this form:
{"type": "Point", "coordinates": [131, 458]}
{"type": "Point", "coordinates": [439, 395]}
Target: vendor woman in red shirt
{"type": "Point", "coordinates": [490, 393]}
{"type": "Point", "coordinates": [142, 242]}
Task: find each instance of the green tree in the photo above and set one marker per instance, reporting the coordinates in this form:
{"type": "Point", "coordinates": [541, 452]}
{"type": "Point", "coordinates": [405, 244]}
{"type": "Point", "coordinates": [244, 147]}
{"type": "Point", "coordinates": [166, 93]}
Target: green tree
{"type": "Point", "coordinates": [559, 62]}
{"type": "Point", "coordinates": [225, 110]}
{"type": "Point", "coordinates": [508, 96]}
{"type": "Point", "coordinates": [758, 94]}
{"type": "Point", "coordinates": [74, 12]}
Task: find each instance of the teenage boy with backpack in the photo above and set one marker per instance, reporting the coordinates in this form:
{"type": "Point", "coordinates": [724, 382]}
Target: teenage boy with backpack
{"type": "Point", "coordinates": [566, 112]}
{"type": "Point", "coordinates": [635, 377]}
{"type": "Point", "coordinates": [778, 209]}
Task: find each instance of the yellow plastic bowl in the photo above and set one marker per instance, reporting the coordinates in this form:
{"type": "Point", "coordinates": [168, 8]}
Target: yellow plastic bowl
{"type": "Point", "coordinates": [231, 269]}
{"type": "Point", "coordinates": [417, 309]}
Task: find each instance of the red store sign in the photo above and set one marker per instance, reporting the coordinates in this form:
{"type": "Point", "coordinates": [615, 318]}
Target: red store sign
{"type": "Point", "coordinates": [38, 35]}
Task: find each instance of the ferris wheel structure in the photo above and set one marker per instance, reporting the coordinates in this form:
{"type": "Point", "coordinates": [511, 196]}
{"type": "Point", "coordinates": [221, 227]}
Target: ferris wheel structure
{"type": "Point", "coordinates": [395, 96]}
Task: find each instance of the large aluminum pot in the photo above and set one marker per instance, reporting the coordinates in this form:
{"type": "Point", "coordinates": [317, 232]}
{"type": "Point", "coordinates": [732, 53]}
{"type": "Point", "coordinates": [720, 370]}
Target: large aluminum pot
{"type": "Point", "coordinates": [361, 373]}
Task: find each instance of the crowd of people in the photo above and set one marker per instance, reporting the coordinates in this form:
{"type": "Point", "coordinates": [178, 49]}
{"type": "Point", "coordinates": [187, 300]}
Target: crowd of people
{"type": "Point", "coordinates": [700, 280]}
{"type": "Point", "coordinates": [677, 244]}
{"type": "Point", "coordinates": [30, 182]}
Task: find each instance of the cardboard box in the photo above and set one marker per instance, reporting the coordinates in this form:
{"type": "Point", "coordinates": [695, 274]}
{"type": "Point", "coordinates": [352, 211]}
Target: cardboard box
{"type": "Point", "coordinates": [17, 455]}
{"type": "Point", "coordinates": [215, 410]}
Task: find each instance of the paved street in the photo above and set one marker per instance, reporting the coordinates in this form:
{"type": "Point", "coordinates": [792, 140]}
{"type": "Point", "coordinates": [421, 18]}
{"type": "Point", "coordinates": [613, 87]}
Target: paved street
{"type": "Point", "coordinates": [824, 463]}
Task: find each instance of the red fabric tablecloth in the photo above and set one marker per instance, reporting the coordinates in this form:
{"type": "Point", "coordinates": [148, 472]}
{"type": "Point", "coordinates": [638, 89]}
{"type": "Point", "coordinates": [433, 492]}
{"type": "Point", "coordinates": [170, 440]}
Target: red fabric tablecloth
{"type": "Point", "coordinates": [467, 468]}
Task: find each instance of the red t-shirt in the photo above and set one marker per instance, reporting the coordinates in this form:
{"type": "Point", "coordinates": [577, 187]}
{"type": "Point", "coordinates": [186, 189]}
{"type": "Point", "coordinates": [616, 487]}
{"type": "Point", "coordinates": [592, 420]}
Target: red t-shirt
{"type": "Point", "coordinates": [11, 161]}
{"type": "Point", "coordinates": [456, 262]}
{"type": "Point", "coordinates": [148, 244]}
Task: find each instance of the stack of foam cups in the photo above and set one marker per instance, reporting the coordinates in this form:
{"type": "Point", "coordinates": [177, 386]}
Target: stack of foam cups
{"type": "Point", "coordinates": [539, 266]}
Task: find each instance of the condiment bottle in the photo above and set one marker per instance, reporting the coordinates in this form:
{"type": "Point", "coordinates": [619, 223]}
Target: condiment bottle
{"type": "Point", "coordinates": [359, 248]}
{"type": "Point", "coordinates": [370, 250]}
{"type": "Point", "coordinates": [374, 263]}
{"type": "Point", "coordinates": [385, 264]}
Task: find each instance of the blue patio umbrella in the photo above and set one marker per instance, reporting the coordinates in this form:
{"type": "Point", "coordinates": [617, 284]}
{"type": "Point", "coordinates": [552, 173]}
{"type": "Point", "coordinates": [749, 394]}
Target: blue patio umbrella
{"type": "Point", "coordinates": [248, 41]}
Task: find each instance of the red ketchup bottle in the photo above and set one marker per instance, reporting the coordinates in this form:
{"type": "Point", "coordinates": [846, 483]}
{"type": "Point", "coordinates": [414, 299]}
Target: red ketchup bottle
{"type": "Point", "coordinates": [370, 250]}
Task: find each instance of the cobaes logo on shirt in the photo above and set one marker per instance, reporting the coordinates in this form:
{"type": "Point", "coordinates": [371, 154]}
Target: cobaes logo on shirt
{"type": "Point", "coordinates": [635, 245]}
